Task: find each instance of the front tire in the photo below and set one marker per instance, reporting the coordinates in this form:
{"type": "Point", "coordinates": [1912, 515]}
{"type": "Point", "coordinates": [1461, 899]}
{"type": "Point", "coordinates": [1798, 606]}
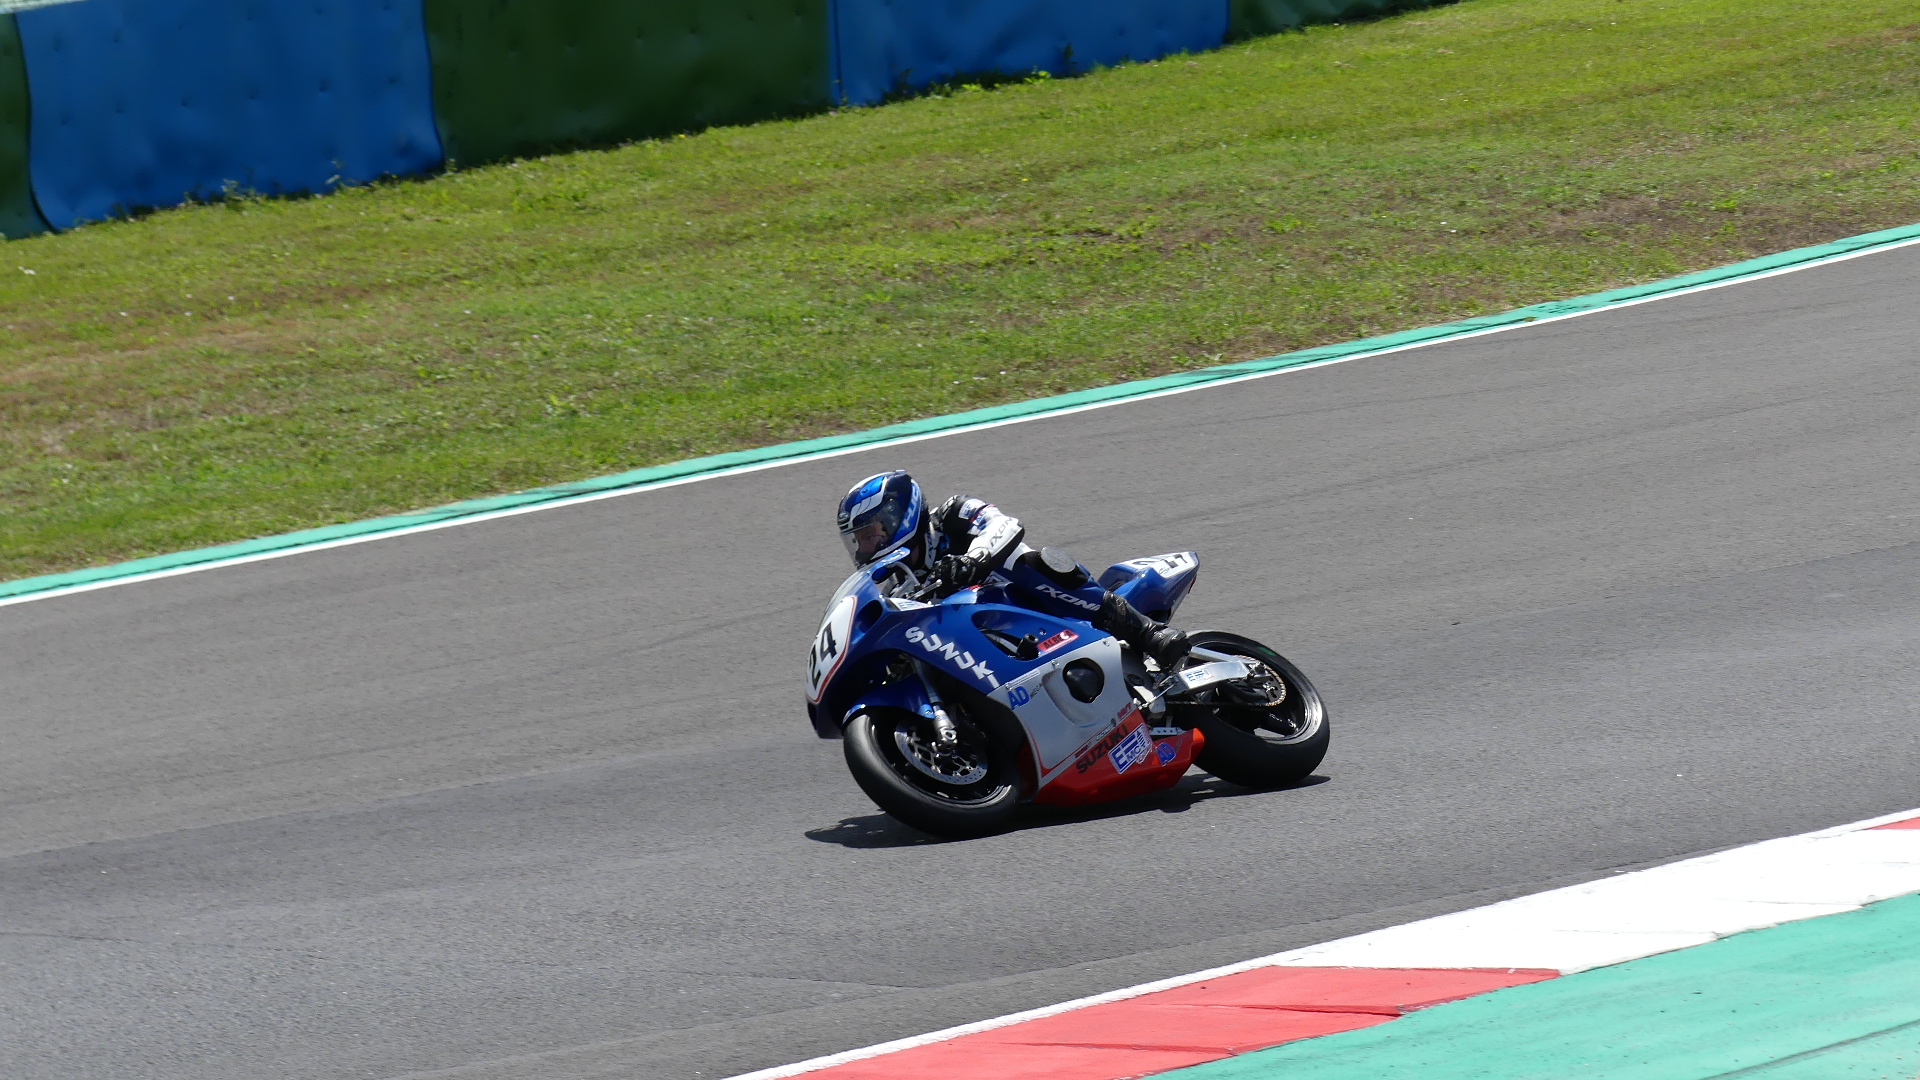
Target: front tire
{"type": "Point", "coordinates": [967, 789]}
{"type": "Point", "coordinates": [1261, 747]}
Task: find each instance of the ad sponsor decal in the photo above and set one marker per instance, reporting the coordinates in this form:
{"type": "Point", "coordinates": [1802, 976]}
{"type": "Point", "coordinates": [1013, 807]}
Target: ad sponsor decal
{"type": "Point", "coordinates": [1018, 696]}
{"type": "Point", "coordinates": [960, 657]}
{"type": "Point", "coordinates": [1098, 748]}
{"type": "Point", "coordinates": [1165, 752]}
{"type": "Point", "coordinates": [1053, 642]}
{"type": "Point", "coordinates": [1131, 751]}
{"type": "Point", "coordinates": [1066, 597]}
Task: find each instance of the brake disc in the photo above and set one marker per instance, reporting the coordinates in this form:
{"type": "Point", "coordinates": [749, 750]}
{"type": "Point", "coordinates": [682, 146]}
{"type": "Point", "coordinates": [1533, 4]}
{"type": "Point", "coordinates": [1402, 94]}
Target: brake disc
{"type": "Point", "coordinates": [953, 765]}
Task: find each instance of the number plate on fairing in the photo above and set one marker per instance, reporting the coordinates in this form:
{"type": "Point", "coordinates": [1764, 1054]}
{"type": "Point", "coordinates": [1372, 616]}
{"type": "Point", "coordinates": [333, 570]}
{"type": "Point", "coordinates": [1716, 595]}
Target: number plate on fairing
{"type": "Point", "coordinates": [829, 646]}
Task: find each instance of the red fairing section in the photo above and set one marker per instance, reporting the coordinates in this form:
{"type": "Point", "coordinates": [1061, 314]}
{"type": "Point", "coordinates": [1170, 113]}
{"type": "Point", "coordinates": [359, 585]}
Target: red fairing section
{"type": "Point", "coordinates": [1124, 762]}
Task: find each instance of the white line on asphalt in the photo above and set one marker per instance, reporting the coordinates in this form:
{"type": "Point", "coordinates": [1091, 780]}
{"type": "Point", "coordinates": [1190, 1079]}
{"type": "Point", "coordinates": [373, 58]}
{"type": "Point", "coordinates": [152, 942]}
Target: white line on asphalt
{"type": "Point", "coordinates": [1607, 921]}
{"type": "Point", "coordinates": [575, 500]}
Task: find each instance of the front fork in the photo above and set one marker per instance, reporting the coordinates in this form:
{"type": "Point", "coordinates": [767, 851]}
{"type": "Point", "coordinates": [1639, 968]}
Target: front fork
{"type": "Point", "coordinates": [943, 726]}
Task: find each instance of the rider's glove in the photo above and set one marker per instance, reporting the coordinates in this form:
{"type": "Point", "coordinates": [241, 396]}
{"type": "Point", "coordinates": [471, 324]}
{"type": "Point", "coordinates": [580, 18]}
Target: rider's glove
{"type": "Point", "coordinates": [959, 571]}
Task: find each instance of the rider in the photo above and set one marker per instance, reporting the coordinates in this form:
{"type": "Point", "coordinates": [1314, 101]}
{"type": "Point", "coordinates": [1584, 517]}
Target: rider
{"type": "Point", "coordinates": [966, 540]}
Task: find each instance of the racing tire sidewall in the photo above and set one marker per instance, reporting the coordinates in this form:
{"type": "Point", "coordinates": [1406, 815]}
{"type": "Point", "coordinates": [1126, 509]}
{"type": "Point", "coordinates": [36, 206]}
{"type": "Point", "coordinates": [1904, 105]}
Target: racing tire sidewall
{"type": "Point", "coordinates": [875, 774]}
{"type": "Point", "coordinates": [1240, 757]}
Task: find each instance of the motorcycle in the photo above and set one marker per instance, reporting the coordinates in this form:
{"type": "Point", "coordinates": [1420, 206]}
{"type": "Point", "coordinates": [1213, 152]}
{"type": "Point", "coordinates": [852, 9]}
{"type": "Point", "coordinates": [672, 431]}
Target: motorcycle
{"type": "Point", "coordinates": [957, 706]}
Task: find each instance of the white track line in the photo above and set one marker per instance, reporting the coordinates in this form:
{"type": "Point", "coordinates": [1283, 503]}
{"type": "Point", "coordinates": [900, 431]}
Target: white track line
{"type": "Point", "coordinates": [904, 440]}
{"type": "Point", "coordinates": [575, 500]}
{"type": "Point", "coordinates": [1608, 921]}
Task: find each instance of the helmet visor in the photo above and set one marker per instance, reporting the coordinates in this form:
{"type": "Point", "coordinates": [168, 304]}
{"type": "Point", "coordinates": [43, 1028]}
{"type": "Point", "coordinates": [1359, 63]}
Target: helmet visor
{"type": "Point", "coordinates": [866, 541]}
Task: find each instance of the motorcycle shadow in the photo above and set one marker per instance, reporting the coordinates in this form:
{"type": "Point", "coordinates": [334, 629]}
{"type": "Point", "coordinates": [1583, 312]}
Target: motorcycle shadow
{"type": "Point", "coordinates": [881, 831]}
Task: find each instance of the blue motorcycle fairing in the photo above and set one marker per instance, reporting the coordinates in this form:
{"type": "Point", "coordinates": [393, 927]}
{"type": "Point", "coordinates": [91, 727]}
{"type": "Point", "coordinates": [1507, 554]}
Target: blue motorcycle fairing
{"type": "Point", "coordinates": [1155, 585]}
{"type": "Point", "coordinates": [906, 694]}
{"type": "Point", "coordinates": [863, 630]}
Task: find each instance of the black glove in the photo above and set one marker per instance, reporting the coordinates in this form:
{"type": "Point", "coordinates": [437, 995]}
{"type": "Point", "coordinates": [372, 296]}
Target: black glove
{"type": "Point", "coordinates": [959, 571]}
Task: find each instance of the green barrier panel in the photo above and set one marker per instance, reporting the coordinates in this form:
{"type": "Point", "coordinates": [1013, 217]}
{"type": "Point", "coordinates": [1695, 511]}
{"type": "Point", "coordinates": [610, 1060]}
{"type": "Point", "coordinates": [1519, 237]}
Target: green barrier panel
{"type": "Point", "coordinates": [519, 77]}
{"type": "Point", "coordinates": [18, 216]}
{"type": "Point", "coordinates": [1253, 18]}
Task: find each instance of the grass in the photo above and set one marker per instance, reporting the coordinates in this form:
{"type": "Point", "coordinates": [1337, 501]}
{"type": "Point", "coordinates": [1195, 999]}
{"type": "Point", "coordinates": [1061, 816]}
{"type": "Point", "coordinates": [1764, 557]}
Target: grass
{"type": "Point", "coordinates": [255, 366]}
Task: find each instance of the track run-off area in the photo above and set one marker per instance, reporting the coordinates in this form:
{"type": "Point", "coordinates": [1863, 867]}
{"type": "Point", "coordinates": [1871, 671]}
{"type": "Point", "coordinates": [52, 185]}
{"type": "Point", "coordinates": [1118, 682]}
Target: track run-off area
{"type": "Point", "coordinates": [536, 796]}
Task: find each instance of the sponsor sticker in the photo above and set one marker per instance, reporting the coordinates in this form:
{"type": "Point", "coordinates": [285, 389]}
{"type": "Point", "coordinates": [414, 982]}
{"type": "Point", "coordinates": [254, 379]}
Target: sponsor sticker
{"type": "Point", "coordinates": [1066, 597]}
{"type": "Point", "coordinates": [1057, 640]}
{"type": "Point", "coordinates": [1165, 752]}
{"type": "Point", "coordinates": [1018, 696]}
{"type": "Point", "coordinates": [949, 651]}
{"type": "Point", "coordinates": [1131, 750]}
{"type": "Point", "coordinates": [1091, 752]}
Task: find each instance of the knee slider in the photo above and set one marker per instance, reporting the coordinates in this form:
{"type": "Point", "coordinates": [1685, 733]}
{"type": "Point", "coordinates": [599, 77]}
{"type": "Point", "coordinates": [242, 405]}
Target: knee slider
{"type": "Point", "coordinates": [1057, 566]}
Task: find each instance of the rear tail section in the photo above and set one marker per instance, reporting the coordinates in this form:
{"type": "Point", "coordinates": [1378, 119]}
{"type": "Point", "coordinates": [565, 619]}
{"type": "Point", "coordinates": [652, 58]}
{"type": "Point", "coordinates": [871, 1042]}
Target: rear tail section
{"type": "Point", "coordinates": [1155, 585]}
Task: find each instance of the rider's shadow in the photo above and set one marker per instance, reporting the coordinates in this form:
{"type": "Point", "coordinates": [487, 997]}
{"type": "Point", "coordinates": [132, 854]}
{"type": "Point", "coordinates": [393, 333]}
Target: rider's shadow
{"type": "Point", "coordinates": [881, 831]}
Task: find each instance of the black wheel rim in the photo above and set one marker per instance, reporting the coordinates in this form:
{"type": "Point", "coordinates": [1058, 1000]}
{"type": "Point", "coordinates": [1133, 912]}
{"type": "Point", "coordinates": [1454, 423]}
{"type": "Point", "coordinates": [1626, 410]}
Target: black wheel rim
{"type": "Point", "coordinates": [961, 773]}
{"type": "Point", "coordinates": [1297, 719]}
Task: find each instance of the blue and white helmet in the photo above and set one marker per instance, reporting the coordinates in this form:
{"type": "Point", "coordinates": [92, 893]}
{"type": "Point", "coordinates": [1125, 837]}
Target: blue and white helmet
{"type": "Point", "coordinates": [880, 515]}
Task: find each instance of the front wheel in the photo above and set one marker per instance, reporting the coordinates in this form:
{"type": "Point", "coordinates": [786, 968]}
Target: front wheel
{"type": "Point", "coordinates": [1257, 745]}
{"type": "Point", "coordinates": [965, 788]}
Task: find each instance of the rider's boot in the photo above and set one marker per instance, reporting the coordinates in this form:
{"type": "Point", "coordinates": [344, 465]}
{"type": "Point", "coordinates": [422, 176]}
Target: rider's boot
{"type": "Point", "coordinates": [1162, 642]}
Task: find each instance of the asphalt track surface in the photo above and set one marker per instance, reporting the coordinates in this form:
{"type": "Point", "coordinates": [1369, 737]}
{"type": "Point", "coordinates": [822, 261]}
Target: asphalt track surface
{"type": "Point", "coordinates": [537, 797]}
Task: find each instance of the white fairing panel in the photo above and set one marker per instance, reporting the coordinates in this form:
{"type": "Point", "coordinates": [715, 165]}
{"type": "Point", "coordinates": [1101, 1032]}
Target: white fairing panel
{"type": "Point", "coordinates": [1057, 723]}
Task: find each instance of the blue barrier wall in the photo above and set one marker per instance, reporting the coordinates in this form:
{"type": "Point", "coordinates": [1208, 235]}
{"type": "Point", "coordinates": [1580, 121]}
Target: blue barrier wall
{"type": "Point", "coordinates": [883, 45]}
{"type": "Point", "coordinates": [128, 104]}
{"type": "Point", "coordinates": [139, 103]}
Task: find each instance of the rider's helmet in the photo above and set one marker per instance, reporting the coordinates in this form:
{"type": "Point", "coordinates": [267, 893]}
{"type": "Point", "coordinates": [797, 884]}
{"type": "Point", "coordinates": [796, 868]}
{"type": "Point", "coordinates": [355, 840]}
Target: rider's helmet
{"type": "Point", "coordinates": [882, 514]}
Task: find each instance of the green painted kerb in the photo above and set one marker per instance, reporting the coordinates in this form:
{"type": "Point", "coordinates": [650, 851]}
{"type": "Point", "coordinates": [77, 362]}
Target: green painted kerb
{"type": "Point", "coordinates": [1832, 998]}
{"type": "Point", "coordinates": [932, 425]}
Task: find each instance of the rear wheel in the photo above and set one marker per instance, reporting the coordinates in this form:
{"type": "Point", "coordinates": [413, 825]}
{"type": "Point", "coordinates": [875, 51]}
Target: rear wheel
{"type": "Point", "coordinates": [1249, 741]}
{"type": "Point", "coordinates": [964, 788]}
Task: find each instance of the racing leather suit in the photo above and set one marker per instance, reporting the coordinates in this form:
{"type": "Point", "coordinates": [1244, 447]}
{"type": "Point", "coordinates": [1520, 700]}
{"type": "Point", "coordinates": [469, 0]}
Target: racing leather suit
{"type": "Point", "coordinates": [990, 542]}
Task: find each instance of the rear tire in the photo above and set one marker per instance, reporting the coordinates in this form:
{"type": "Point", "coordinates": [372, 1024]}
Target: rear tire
{"type": "Point", "coordinates": [969, 789]}
{"type": "Point", "coordinates": [1255, 747]}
